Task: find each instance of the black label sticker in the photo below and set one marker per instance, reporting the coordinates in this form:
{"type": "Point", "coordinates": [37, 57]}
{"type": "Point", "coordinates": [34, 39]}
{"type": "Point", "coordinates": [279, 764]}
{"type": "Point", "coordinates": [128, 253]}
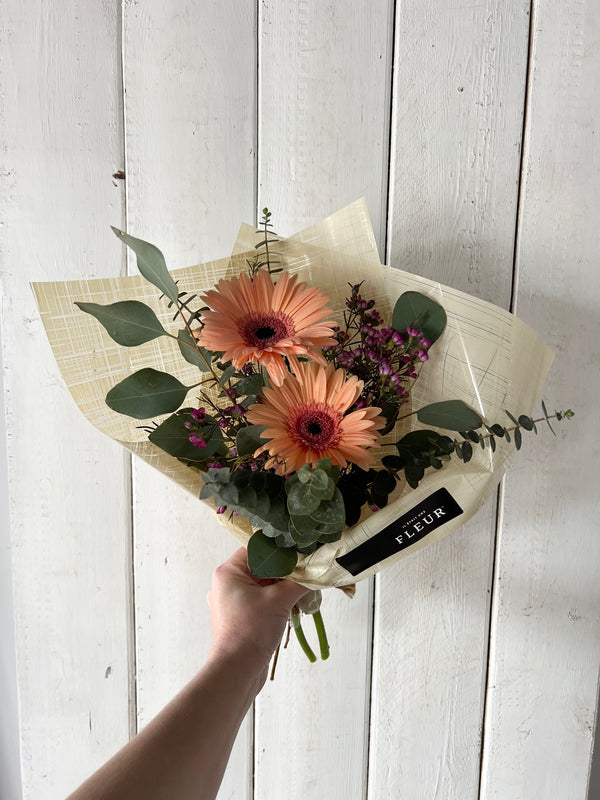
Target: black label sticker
{"type": "Point", "coordinates": [435, 510]}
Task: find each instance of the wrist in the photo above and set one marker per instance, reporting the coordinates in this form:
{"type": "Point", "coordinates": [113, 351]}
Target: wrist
{"type": "Point", "coordinates": [244, 663]}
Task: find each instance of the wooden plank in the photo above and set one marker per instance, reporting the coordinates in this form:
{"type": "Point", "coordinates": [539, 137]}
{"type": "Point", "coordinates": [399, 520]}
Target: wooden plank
{"type": "Point", "coordinates": [324, 78]}
{"type": "Point", "coordinates": [324, 100]}
{"type": "Point", "coordinates": [190, 174]}
{"type": "Point", "coordinates": [62, 143]}
{"type": "Point", "coordinates": [457, 122]}
{"type": "Point", "coordinates": [541, 700]}
{"type": "Point", "coordinates": [10, 754]}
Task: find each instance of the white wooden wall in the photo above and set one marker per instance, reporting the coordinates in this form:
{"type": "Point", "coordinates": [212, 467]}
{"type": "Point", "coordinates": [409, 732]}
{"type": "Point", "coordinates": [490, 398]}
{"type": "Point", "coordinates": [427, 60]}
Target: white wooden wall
{"type": "Point", "coordinates": [470, 669]}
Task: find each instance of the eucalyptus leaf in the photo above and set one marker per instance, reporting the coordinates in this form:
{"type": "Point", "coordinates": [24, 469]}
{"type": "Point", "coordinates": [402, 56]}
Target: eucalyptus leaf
{"type": "Point", "coordinates": [510, 416]}
{"type": "Point", "coordinates": [467, 451]}
{"type": "Point", "coordinates": [172, 437]}
{"type": "Point", "coordinates": [385, 483]}
{"type": "Point", "coordinates": [518, 438]}
{"type": "Point", "coordinates": [278, 515]}
{"type": "Point", "coordinates": [301, 499]}
{"type": "Point", "coordinates": [248, 439]}
{"type": "Point", "coordinates": [266, 560]}
{"type": "Point", "coordinates": [389, 412]}
{"type": "Point", "coordinates": [330, 512]}
{"type": "Point", "coordinates": [130, 323]}
{"type": "Point", "coordinates": [151, 263]}
{"type": "Point", "coordinates": [302, 538]}
{"type": "Point", "coordinates": [283, 539]}
{"type": "Point", "coordinates": [393, 462]}
{"type": "Point", "coordinates": [250, 385]}
{"type": "Point", "coordinates": [526, 422]}
{"type": "Point", "coordinates": [192, 351]}
{"type": "Point", "coordinates": [147, 393]}
{"type": "Point", "coordinates": [414, 473]}
{"type": "Point", "coordinates": [334, 536]}
{"type": "Point", "coordinates": [453, 415]}
{"type": "Point", "coordinates": [228, 373]}
{"type": "Point", "coordinates": [416, 310]}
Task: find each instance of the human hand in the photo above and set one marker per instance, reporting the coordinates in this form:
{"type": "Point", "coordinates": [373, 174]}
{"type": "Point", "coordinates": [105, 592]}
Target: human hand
{"type": "Point", "coordinates": [248, 614]}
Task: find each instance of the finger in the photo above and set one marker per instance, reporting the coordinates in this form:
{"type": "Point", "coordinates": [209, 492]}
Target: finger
{"type": "Point", "coordinates": [239, 559]}
{"type": "Point", "coordinates": [287, 592]}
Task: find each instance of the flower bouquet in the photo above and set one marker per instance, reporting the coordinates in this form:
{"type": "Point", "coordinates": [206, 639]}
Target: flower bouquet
{"type": "Point", "coordinates": [338, 414]}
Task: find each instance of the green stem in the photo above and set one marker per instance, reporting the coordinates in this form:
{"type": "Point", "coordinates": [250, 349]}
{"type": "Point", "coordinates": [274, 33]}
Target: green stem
{"type": "Point", "coordinates": [323, 643]}
{"type": "Point", "coordinates": [297, 626]}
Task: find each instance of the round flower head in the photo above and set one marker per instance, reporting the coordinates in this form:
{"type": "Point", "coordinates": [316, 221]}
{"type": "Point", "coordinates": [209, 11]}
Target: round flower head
{"type": "Point", "coordinates": [253, 319]}
{"type": "Point", "coordinates": [306, 420]}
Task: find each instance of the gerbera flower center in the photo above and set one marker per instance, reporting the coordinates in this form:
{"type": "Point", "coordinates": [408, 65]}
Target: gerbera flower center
{"type": "Point", "coordinates": [315, 426]}
{"type": "Point", "coordinates": [262, 330]}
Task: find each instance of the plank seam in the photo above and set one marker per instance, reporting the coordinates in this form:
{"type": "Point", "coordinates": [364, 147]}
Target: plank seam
{"type": "Point", "coordinates": [512, 308]}
{"type": "Point", "coordinates": [491, 617]}
{"type": "Point", "coordinates": [258, 97]}
{"type": "Point", "coordinates": [524, 141]}
{"type": "Point", "coordinates": [392, 110]}
{"type": "Point", "coordinates": [373, 589]}
{"type": "Point", "coordinates": [129, 473]}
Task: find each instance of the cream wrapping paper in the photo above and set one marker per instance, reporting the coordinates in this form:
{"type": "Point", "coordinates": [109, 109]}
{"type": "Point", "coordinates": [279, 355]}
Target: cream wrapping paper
{"type": "Point", "coordinates": [486, 357]}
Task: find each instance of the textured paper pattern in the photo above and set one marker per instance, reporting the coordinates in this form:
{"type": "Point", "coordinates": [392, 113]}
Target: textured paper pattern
{"type": "Point", "coordinates": [486, 357]}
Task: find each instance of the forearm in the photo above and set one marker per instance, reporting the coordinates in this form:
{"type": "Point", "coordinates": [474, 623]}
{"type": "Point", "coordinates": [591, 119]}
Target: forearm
{"type": "Point", "coordinates": [183, 752]}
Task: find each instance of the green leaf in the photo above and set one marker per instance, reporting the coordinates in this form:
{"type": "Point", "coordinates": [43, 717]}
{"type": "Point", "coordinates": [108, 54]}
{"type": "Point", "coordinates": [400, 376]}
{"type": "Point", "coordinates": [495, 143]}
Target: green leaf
{"type": "Point", "coordinates": [416, 310]}
{"type": "Point", "coordinates": [304, 474]}
{"type": "Point", "coordinates": [250, 385]}
{"type": "Point", "coordinates": [302, 523]}
{"type": "Point", "coordinates": [384, 482]}
{"type": "Point", "coordinates": [414, 473]}
{"type": "Point", "coordinates": [320, 484]}
{"type": "Point", "coordinates": [151, 263]}
{"type": "Point", "coordinates": [393, 462]}
{"type": "Point", "coordinates": [146, 394]}
{"type": "Point", "coordinates": [248, 439]}
{"type": "Point", "coordinates": [326, 464]}
{"type": "Point", "coordinates": [492, 441]}
{"type": "Point", "coordinates": [389, 412]}
{"type": "Point", "coordinates": [130, 323]}
{"type": "Point", "coordinates": [467, 451]}
{"type": "Point", "coordinates": [192, 351]}
{"type": "Point", "coordinates": [301, 538]}
{"type": "Point", "coordinates": [330, 512]}
{"type": "Point", "coordinates": [227, 374]}
{"type": "Point", "coordinates": [266, 560]}
{"type": "Point", "coordinates": [301, 500]}
{"type": "Point", "coordinates": [453, 415]}
{"type": "Point", "coordinates": [172, 437]}
{"type": "Point", "coordinates": [518, 438]}
{"type": "Point", "coordinates": [545, 410]}
{"type": "Point", "coordinates": [278, 515]}
{"type": "Point", "coordinates": [283, 539]}
{"type": "Point", "coordinates": [526, 422]}
{"type": "Point", "coordinates": [510, 416]}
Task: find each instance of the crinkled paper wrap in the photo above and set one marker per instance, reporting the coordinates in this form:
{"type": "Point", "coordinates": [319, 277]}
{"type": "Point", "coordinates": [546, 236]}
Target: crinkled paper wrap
{"type": "Point", "coordinates": [486, 357]}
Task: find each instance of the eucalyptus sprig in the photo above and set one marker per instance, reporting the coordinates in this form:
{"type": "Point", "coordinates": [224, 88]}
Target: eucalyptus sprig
{"type": "Point", "coordinates": [421, 449]}
{"type": "Point", "coordinates": [263, 257]}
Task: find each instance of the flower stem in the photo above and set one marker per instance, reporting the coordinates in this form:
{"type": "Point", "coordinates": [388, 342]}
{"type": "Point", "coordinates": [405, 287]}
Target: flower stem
{"type": "Point", "coordinates": [297, 626]}
{"type": "Point", "coordinates": [323, 643]}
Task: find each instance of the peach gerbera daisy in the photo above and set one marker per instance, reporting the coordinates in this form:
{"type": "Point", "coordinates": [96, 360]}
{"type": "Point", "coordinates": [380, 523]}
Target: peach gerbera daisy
{"type": "Point", "coordinates": [253, 319]}
{"type": "Point", "coordinates": [306, 420]}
